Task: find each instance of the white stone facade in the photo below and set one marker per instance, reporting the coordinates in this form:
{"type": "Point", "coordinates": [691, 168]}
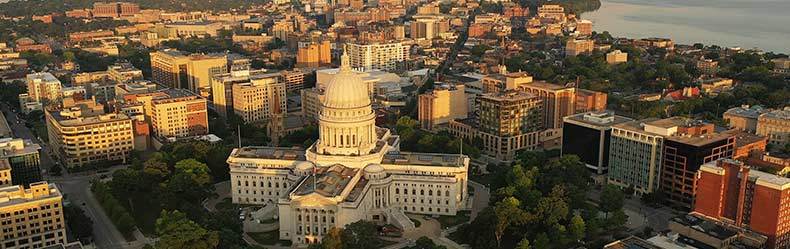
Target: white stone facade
{"type": "Point", "coordinates": [354, 172]}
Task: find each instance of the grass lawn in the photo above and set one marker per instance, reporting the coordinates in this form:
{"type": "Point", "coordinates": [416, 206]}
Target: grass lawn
{"type": "Point", "coordinates": [267, 238]}
{"type": "Point", "coordinates": [145, 211]}
{"type": "Point", "coordinates": [449, 221]}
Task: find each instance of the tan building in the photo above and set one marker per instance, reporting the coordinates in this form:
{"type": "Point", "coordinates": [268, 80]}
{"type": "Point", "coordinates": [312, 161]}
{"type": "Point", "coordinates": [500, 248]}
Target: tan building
{"type": "Point", "coordinates": [506, 123]}
{"type": "Point", "coordinates": [616, 57]}
{"type": "Point", "coordinates": [314, 54]}
{"type": "Point", "coordinates": [428, 27]}
{"type": "Point", "coordinates": [178, 114]}
{"type": "Point", "coordinates": [442, 104]}
{"type": "Point", "coordinates": [558, 101]}
{"type": "Point", "coordinates": [260, 99]}
{"type": "Point", "coordinates": [293, 79]}
{"type": "Point", "coordinates": [584, 27]}
{"type": "Point", "coordinates": [43, 87]}
{"type": "Point", "coordinates": [178, 70]}
{"type": "Point", "coordinates": [744, 117]}
{"type": "Point", "coordinates": [383, 56]}
{"type": "Point", "coordinates": [311, 102]}
{"type": "Point", "coordinates": [82, 135]}
{"type": "Point", "coordinates": [124, 73]}
{"type": "Point", "coordinates": [576, 47]}
{"type": "Point", "coordinates": [707, 66]}
{"type": "Point", "coordinates": [33, 217]}
{"type": "Point", "coordinates": [504, 81]}
{"type": "Point", "coordinates": [776, 126]}
{"type": "Point", "coordinates": [222, 88]}
{"type": "Point", "coordinates": [552, 11]}
{"type": "Point", "coordinates": [196, 29]}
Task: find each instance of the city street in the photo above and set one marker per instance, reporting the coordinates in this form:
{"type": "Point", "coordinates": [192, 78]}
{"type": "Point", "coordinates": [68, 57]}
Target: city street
{"type": "Point", "coordinates": [76, 188]}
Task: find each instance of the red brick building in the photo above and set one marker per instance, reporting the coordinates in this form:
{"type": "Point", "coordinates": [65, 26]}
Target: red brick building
{"type": "Point", "coordinates": [731, 192]}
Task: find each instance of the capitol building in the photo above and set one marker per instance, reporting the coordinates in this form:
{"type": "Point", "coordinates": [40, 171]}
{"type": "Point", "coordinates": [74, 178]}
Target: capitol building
{"type": "Point", "coordinates": [355, 171]}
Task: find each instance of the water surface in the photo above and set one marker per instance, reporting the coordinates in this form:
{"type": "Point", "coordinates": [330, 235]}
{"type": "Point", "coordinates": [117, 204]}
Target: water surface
{"type": "Point", "coordinates": [763, 24]}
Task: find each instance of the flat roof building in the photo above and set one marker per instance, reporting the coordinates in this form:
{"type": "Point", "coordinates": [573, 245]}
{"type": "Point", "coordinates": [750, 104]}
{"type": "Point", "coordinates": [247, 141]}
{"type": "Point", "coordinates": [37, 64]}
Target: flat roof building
{"type": "Point", "coordinates": [588, 135]}
{"type": "Point", "coordinates": [32, 217]}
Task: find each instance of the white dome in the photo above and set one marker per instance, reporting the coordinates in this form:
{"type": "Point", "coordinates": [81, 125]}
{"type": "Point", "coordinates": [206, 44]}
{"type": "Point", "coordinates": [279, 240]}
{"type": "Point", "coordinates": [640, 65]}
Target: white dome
{"type": "Point", "coordinates": [347, 89]}
{"type": "Point", "coordinates": [304, 166]}
{"type": "Point", "coordinates": [374, 168]}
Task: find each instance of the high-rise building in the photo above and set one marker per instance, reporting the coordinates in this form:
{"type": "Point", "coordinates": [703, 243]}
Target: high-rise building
{"type": "Point", "coordinates": [733, 193]}
{"type": "Point", "coordinates": [776, 126]}
{"type": "Point", "coordinates": [444, 103]}
{"type": "Point", "coordinates": [311, 102]}
{"type": "Point", "coordinates": [504, 81]}
{"type": "Point", "coordinates": [178, 114]}
{"type": "Point", "coordinates": [193, 72]}
{"type": "Point", "coordinates": [558, 101]}
{"type": "Point", "coordinates": [584, 27]}
{"type": "Point", "coordinates": [222, 88]}
{"type": "Point", "coordinates": [43, 88]}
{"type": "Point", "coordinates": [635, 156]}
{"type": "Point", "coordinates": [32, 217]}
{"type": "Point", "coordinates": [506, 123]}
{"type": "Point", "coordinates": [294, 80]}
{"type": "Point", "coordinates": [744, 117]}
{"type": "Point", "coordinates": [383, 56]}
{"type": "Point", "coordinates": [354, 172]}
{"type": "Point", "coordinates": [23, 160]}
{"type": "Point", "coordinates": [260, 99]}
{"type": "Point", "coordinates": [314, 54]}
{"type": "Point", "coordinates": [687, 145]}
{"type": "Point", "coordinates": [588, 136]}
{"type": "Point", "coordinates": [82, 135]}
{"type": "Point", "coordinates": [428, 27]}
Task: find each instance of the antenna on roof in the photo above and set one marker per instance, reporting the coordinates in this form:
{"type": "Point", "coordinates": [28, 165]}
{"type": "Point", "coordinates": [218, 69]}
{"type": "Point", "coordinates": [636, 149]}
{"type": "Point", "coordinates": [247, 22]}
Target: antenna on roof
{"type": "Point", "coordinates": [238, 131]}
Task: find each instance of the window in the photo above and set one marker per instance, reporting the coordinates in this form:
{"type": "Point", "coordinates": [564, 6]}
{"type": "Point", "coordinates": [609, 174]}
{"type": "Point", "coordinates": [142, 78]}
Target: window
{"type": "Point", "coordinates": [397, 191]}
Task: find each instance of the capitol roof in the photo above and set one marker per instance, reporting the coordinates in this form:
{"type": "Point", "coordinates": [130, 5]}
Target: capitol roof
{"type": "Point", "coordinates": [347, 89]}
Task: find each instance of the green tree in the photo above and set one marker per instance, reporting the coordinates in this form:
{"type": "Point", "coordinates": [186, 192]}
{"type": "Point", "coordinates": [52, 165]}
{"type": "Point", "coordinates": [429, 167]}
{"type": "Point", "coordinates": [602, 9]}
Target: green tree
{"type": "Point", "coordinates": [156, 168]}
{"type": "Point", "coordinates": [198, 171]}
{"type": "Point", "coordinates": [618, 219]}
{"type": "Point", "coordinates": [523, 244]}
{"type": "Point", "coordinates": [176, 231]}
{"type": "Point", "coordinates": [360, 235]}
{"type": "Point", "coordinates": [333, 239]}
{"type": "Point", "coordinates": [612, 199]}
{"type": "Point", "coordinates": [80, 225]}
{"type": "Point", "coordinates": [577, 227]}
{"type": "Point", "coordinates": [507, 213]}
{"type": "Point", "coordinates": [542, 241]}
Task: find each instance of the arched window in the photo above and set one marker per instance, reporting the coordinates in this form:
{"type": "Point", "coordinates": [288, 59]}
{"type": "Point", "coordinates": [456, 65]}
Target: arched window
{"type": "Point", "coordinates": [430, 192]}
{"type": "Point", "coordinates": [447, 192]}
{"type": "Point", "coordinates": [413, 191]}
{"type": "Point", "coordinates": [397, 191]}
{"type": "Point", "coordinates": [439, 193]}
{"type": "Point", "coordinates": [270, 184]}
{"type": "Point", "coordinates": [422, 192]}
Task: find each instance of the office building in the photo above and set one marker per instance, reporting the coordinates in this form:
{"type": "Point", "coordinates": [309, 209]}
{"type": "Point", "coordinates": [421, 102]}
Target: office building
{"type": "Point", "coordinates": [83, 134]}
{"type": "Point", "coordinates": [616, 57]}
{"type": "Point", "coordinates": [260, 99]}
{"type": "Point", "coordinates": [552, 11]}
{"type": "Point", "coordinates": [5, 173]}
{"type": "Point", "coordinates": [444, 103]}
{"type": "Point", "coordinates": [32, 217]}
{"type": "Point", "coordinates": [196, 28]}
{"type": "Point", "coordinates": [175, 69]}
{"type": "Point", "coordinates": [383, 56]}
{"type": "Point", "coordinates": [314, 54]}
{"type": "Point", "coordinates": [124, 73]}
{"type": "Point", "coordinates": [294, 80]}
{"type": "Point", "coordinates": [354, 172]}
{"type": "Point", "coordinates": [731, 192]}
{"type": "Point", "coordinates": [113, 10]}
{"type": "Point", "coordinates": [43, 88]}
{"type": "Point", "coordinates": [635, 154]}
{"type": "Point", "coordinates": [688, 144]}
{"type": "Point", "coordinates": [558, 101]}
{"type": "Point", "coordinates": [23, 160]}
{"type": "Point", "coordinates": [504, 81]}
{"type": "Point", "coordinates": [311, 102]}
{"type": "Point", "coordinates": [576, 47]}
{"type": "Point", "coordinates": [222, 88]}
{"type": "Point", "coordinates": [588, 135]}
{"type": "Point", "coordinates": [428, 27]}
{"type": "Point", "coordinates": [775, 125]}
{"type": "Point", "coordinates": [707, 66]}
{"type": "Point", "coordinates": [506, 122]}
{"type": "Point", "coordinates": [584, 27]}
{"type": "Point", "coordinates": [744, 117]}
{"type": "Point", "coordinates": [177, 113]}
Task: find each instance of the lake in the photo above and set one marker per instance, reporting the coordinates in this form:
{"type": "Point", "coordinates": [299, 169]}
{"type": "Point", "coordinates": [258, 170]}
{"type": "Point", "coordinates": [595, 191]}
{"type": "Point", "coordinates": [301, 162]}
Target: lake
{"type": "Point", "coordinates": [763, 24]}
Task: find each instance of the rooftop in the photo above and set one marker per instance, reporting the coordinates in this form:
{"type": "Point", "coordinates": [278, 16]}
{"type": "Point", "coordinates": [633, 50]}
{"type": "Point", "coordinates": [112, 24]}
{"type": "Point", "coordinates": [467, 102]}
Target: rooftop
{"type": "Point", "coordinates": [546, 86]}
{"type": "Point", "coordinates": [10, 147]}
{"type": "Point", "coordinates": [601, 119]}
{"type": "Point", "coordinates": [17, 194]}
{"type": "Point", "coordinates": [783, 114]}
{"type": "Point", "coordinates": [704, 226]}
{"type": "Point", "coordinates": [508, 96]}
{"type": "Point", "coordinates": [632, 242]}
{"type": "Point", "coordinates": [424, 159]}
{"type": "Point", "coordinates": [327, 181]}
{"type": "Point", "coordinates": [747, 111]}
{"type": "Point", "coordinates": [260, 152]}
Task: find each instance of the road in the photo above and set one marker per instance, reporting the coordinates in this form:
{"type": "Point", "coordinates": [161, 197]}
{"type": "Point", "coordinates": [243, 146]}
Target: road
{"type": "Point", "coordinates": [641, 215]}
{"type": "Point", "coordinates": [76, 188]}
